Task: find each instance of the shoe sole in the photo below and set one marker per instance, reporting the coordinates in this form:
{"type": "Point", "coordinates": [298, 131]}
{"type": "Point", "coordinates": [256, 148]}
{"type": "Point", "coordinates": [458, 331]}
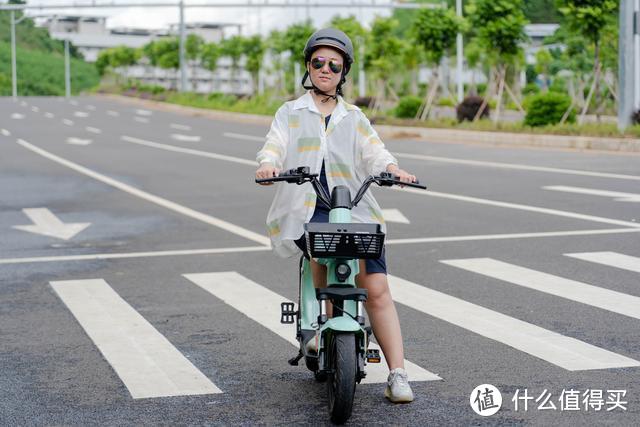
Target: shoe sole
{"type": "Point", "coordinates": [387, 394]}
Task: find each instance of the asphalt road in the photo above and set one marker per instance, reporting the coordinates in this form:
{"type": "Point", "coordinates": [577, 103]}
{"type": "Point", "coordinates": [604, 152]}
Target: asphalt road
{"type": "Point", "coordinates": [96, 328]}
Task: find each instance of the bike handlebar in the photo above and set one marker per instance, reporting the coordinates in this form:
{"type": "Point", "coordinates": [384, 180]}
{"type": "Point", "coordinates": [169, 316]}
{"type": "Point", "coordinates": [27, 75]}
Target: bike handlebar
{"type": "Point", "coordinates": [301, 175]}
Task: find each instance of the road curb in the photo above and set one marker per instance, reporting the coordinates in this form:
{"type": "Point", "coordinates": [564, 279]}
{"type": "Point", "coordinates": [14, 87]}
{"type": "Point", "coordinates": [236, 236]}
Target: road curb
{"type": "Point", "coordinates": [628, 145]}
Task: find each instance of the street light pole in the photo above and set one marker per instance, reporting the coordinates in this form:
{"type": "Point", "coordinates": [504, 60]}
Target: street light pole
{"type": "Point", "coordinates": [14, 76]}
{"type": "Point", "coordinates": [626, 64]}
{"type": "Point", "coordinates": [183, 65]}
{"type": "Point", "coordinates": [67, 70]}
{"type": "Point", "coordinates": [459, 55]}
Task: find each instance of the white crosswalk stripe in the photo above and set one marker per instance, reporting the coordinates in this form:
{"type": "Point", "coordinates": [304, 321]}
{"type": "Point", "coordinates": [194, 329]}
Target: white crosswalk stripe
{"type": "Point", "coordinates": [612, 259]}
{"type": "Point", "coordinates": [617, 302]}
{"type": "Point", "coordinates": [568, 353]}
{"type": "Point", "coordinates": [146, 362]}
{"type": "Point", "coordinates": [263, 306]}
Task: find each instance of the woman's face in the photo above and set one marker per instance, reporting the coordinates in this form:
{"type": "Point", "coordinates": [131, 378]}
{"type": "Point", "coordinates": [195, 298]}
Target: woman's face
{"type": "Point", "coordinates": [324, 78]}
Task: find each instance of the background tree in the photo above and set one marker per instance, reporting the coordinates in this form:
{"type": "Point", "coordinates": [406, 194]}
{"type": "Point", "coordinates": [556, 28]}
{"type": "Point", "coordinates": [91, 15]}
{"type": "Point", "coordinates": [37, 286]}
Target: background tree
{"type": "Point", "coordinates": [359, 37]}
{"type": "Point", "coordinates": [193, 52]}
{"type": "Point", "coordinates": [435, 30]}
{"type": "Point", "coordinates": [210, 52]}
{"type": "Point", "coordinates": [499, 25]}
{"type": "Point", "coordinates": [232, 48]}
{"type": "Point", "coordinates": [276, 49]}
{"type": "Point", "coordinates": [589, 18]}
{"type": "Point", "coordinates": [543, 63]}
{"type": "Point", "coordinates": [294, 40]}
{"type": "Point", "coordinates": [254, 51]}
{"type": "Point", "coordinates": [165, 53]}
{"type": "Point", "coordinates": [383, 57]}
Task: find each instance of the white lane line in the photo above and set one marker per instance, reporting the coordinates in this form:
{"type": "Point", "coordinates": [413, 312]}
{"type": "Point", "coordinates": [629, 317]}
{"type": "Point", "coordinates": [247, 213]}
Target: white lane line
{"type": "Point", "coordinates": [67, 122]}
{"type": "Point", "coordinates": [78, 141]}
{"type": "Point", "coordinates": [568, 353]}
{"type": "Point", "coordinates": [141, 119]}
{"type": "Point", "coordinates": [263, 306]}
{"type": "Point", "coordinates": [146, 362]}
{"type": "Point", "coordinates": [510, 236]}
{"type": "Point", "coordinates": [216, 222]}
{"type": "Point", "coordinates": [91, 107]}
{"type": "Point", "coordinates": [618, 196]}
{"type": "Point", "coordinates": [186, 138]}
{"type": "Point", "coordinates": [81, 114]}
{"type": "Point", "coordinates": [394, 215]}
{"type": "Point", "coordinates": [179, 127]}
{"type": "Point", "coordinates": [49, 115]}
{"type": "Point", "coordinates": [616, 302]}
{"type": "Point", "coordinates": [516, 166]}
{"type": "Point", "coordinates": [518, 206]}
{"type": "Point", "coordinates": [92, 130]}
{"type": "Point", "coordinates": [35, 109]}
{"type": "Point", "coordinates": [245, 137]}
{"type": "Point", "coordinates": [17, 116]}
{"type": "Point", "coordinates": [458, 197]}
{"type": "Point", "coordinates": [94, 257]}
{"type": "Point", "coordinates": [189, 151]}
{"type": "Point", "coordinates": [611, 259]}
{"type": "Point", "coordinates": [113, 113]}
{"type": "Point", "coordinates": [5, 132]}
{"type": "Point", "coordinates": [144, 112]}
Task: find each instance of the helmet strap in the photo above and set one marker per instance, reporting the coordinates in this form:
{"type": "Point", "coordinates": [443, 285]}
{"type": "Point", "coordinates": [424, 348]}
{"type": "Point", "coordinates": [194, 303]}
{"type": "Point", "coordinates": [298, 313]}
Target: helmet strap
{"type": "Point", "coordinates": [320, 92]}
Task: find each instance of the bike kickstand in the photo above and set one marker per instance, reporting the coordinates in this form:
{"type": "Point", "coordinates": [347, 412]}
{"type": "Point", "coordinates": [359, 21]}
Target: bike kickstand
{"type": "Point", "coordinates": [294, 361]}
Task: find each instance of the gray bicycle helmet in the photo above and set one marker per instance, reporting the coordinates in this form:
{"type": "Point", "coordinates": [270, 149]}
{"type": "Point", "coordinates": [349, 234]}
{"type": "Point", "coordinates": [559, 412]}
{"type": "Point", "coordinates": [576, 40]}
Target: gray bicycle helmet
{"type": "Point", "coordinates": [336, 39]}
{"type": "Point", "coordinates": [330, 37]}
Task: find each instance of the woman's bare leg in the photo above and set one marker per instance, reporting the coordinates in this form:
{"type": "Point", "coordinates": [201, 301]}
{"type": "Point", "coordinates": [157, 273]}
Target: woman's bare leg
{"type": "Point", "coordinates": [382, 315]}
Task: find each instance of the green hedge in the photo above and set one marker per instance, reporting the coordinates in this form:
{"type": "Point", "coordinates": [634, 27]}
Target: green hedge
{"type": "Point", "coordinates": [548, 109]}
{"type": "Point", "coordinates": [407, 107]}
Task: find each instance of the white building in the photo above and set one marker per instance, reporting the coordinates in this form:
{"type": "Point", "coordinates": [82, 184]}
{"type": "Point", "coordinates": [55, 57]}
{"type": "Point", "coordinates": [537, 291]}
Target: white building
{"type": "Point", "coordinates": [90, 35]}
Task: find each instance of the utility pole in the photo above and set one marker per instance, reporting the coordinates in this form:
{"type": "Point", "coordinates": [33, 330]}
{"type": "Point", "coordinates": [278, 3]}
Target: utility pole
{"type": "Point", "coordinates": [14, 76]}
{"type": "Point", "coordinates": [67, 70]}
{"type": "Point", "coordinates": [459, 55]}
{"type": "Point", "coordinates": [628, 65]}
{"type": "Point", "coordinates": [183, 65]}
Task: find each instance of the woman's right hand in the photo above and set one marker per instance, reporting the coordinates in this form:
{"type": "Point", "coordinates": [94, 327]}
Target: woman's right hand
{"type": "Point", "coordinates": [267, 170]}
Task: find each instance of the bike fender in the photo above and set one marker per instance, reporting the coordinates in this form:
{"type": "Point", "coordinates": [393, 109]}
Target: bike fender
{"type": "Point", "coordinates": [341, 324]}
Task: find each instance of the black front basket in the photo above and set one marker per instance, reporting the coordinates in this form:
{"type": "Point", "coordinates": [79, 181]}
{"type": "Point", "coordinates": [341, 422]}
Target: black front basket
{"type": "Point", "coordinates": [336, 240]}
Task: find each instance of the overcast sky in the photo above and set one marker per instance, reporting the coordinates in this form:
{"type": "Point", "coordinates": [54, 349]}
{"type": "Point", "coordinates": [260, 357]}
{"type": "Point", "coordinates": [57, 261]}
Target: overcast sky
{"type": "Point", "coordinates": [252, 19]}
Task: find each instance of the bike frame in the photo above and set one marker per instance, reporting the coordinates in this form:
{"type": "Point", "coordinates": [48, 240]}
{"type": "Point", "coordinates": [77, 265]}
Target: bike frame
{"type": "Point", "coordinates": [311, 309]}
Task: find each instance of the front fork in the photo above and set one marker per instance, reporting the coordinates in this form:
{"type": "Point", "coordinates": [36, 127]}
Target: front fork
{"type": "Point", "coordinates": [313, 322]}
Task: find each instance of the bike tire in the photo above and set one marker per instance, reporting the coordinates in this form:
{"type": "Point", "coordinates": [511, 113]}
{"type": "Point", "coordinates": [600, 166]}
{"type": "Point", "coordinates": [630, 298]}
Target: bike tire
{"type": "Point", "coordinates": [341, 384]}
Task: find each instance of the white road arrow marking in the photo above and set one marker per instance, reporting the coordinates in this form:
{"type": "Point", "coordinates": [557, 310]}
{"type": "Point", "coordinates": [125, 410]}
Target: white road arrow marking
{"type": "Point", "coordinates": [618, 196]}
{"type": "Point", "coordinates": [78, 141]}
{"type": "Point", "coordinates": [81, 114]}
{"type": "Point", "coordinates": [394, 215]}
{"type": "Point", "coordinates": [46, 223]}
{"type": "Point", "coordinates": [17, 116]}
{"type": "Point", "coordinates": [187, 138]}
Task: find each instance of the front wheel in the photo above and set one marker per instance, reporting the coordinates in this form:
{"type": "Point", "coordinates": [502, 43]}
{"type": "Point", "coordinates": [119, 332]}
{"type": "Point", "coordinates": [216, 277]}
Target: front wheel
{"type": "Point", "coordinates": [341, 383]}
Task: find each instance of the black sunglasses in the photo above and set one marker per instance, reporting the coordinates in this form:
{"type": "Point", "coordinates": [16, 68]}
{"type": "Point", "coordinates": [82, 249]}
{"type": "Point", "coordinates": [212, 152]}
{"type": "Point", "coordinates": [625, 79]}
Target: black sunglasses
{"type": "Point", "coordinates": [319, 61]}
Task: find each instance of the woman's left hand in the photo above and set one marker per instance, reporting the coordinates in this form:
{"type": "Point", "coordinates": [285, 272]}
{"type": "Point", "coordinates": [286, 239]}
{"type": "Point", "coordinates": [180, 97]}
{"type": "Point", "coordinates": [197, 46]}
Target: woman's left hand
{"type": "Point", "coordinates": [402, 175]}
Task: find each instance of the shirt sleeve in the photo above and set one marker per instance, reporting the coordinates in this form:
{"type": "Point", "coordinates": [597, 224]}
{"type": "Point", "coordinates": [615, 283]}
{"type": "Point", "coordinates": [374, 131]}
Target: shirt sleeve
{"type": "Point", "coordinates": [274, 149]}
{"type": "Point", "coordinates": [375, 156]}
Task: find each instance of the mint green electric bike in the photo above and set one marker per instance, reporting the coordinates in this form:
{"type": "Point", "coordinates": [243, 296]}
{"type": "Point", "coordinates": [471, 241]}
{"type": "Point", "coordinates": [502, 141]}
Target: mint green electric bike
{"type": "Point", "coordinates": [339, 350]}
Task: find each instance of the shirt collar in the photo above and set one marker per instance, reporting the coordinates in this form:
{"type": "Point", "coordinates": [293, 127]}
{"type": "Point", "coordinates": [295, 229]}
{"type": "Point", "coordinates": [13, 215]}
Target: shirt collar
{"type": "Point", "coordinates": [306, 101]}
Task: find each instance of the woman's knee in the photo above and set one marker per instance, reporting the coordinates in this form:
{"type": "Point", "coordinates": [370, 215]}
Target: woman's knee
{"type": "Point", "coordinates": [378, 293]}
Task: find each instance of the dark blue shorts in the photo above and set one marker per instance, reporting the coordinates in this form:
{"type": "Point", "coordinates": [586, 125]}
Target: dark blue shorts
{"type": "Point", "coordinates": [377, 265]}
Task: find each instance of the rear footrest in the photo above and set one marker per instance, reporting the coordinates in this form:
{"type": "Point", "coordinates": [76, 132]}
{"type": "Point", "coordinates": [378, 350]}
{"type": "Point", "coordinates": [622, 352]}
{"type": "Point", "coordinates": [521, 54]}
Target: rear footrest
{"type": "Point", "coordinates": [373, 356]}
{"type": "Point", "coordinates": [287, 312]}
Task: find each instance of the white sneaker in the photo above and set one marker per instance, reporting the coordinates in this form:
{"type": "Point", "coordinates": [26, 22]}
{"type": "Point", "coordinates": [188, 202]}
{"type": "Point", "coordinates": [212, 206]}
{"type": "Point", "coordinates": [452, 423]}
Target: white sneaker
{"type": "Point", "coordinates": [398, 389]}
